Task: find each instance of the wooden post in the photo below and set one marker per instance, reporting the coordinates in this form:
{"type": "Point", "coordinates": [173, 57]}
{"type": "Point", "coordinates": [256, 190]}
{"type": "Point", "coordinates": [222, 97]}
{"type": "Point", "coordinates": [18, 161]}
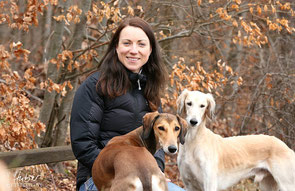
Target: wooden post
{"type": "Point", "coordinates": [29, 157]}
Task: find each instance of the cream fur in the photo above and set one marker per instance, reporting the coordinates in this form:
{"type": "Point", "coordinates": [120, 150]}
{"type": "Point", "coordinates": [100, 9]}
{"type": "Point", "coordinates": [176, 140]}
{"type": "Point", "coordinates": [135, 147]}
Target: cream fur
{"type": "Point", "coordinates": [210, 162]}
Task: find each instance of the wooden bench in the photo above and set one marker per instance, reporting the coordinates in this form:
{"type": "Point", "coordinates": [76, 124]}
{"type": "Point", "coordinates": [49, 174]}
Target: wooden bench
{"type": "Point", "coordinates": [21, 158]}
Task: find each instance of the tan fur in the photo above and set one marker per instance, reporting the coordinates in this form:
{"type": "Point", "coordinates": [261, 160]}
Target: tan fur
{"type": "Point", "coordinates": [127, 162]}
{"type": "Point", "coordinates": [209, 162]}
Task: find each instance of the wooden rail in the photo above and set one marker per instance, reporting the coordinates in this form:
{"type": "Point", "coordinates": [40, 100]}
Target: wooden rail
{"type": "Point", "coordinates": [29, 157]}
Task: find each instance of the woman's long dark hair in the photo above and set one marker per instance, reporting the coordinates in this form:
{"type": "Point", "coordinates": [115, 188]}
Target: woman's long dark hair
{"type": "Point", "coordinates": [114, 79]}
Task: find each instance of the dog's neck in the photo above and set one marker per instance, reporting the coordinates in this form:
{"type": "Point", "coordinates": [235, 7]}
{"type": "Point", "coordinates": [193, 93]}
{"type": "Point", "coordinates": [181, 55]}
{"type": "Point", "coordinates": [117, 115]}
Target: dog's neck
{"type": "Point", "coordinates": [196, 131]}
{"type": "Point", "coordinates": [201, 134]}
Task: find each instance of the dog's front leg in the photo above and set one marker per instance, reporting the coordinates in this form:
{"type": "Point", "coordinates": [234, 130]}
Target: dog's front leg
{"type": "Point", "coordinates": [210, 180]}
{"type": "Point", "coordinates": [210, 186]}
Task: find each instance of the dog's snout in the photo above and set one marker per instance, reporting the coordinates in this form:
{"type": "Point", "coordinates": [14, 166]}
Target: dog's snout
{"type": "Point", "coordinates": [193, 122]}
{"type": "Point", "coordinates": [172, 149]}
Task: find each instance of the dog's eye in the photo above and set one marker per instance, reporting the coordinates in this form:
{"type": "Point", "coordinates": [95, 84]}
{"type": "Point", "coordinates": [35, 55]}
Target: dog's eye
{"type": "Point", "coordinates": [189, 103]}
{"type": "Point", "coordinates": [177, 128]}
{"type": "Point", "coordinates": [202, 106]}
{"type": "Point", "coordinates": [161, 128]}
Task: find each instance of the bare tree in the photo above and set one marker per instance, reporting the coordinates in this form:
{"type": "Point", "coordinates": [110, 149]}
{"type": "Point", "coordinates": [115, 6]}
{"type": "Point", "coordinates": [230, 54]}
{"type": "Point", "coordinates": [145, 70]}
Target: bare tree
{"type": "Point", "coordinates": [49, 106]}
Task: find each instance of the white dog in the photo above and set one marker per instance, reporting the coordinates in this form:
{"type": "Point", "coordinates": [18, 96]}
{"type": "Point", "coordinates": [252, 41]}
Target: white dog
{"type": "Point", "coordinates": [209, 162]}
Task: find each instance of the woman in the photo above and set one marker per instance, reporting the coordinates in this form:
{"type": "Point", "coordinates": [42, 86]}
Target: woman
{"type": "Point", "coordinates": [113, 100]}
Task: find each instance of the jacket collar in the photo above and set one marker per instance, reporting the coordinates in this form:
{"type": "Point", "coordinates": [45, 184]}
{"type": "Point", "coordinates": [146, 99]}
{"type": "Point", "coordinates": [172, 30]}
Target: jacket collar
{"type": "Point", "coordinates": [138, 80]}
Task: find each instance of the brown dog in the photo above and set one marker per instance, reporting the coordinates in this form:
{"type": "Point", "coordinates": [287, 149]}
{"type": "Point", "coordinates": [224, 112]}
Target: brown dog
{"type": "Point", "coordinates": [127, 162]}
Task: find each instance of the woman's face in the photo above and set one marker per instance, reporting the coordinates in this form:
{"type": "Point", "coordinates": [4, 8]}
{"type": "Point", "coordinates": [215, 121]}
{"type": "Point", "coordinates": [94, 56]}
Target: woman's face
{"type": "Point", "coordinates": [133, 48]}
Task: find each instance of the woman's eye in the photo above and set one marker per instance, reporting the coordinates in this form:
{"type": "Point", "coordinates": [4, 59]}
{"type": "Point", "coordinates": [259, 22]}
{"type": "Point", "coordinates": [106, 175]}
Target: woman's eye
{"type": "Point", "coordinates": [141, 44]}
{"type": "Point", "coordinates": [189, 103]}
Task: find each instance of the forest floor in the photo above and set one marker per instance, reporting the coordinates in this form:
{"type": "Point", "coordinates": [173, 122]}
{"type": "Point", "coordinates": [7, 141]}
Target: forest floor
{"type": "Point", "coordinates": [43, 178]}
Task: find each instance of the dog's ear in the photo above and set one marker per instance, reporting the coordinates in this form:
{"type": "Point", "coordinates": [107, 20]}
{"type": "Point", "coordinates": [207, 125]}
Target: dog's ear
{"type": "Point", "coordinates": [183, 129]}
{"type": "Point", "coordinates": [211, 106]}
{"type": "Point", "coordinates": [148, 123]}
{"type": "Point", "coordinates": [180, 101]}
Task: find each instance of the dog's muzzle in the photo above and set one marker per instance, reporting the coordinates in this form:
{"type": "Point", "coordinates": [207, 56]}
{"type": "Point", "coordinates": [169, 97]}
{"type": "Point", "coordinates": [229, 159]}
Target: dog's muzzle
{"type": "Point", "coordinates": [172, 149]}
{"type": "Point", "coordinates": [193, 122]}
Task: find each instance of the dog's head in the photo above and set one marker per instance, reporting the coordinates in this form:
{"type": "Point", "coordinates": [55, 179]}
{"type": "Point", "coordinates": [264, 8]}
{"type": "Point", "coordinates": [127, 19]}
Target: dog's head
{"type": "Point", "coordinates": [164, 130]}
{"type": "Point", "coordinates": [195, 106]}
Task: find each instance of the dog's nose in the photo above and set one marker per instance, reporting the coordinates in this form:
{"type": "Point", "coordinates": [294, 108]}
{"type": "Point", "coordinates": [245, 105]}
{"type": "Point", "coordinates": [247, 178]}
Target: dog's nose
{"type": "Point", "coordinates": [193, 122]}
{"type": "Point", "coordinates": [172, 149]}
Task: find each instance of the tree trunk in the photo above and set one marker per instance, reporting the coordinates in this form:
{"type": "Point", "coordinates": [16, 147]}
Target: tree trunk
{"type": "Point", "coordinates": [63, 113]}
{"type": "Point", "coordinates": [47, 113]}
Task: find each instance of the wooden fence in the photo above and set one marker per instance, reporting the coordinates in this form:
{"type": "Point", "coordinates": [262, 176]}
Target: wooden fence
{"type": "Point", "coordinates": [29, 157]}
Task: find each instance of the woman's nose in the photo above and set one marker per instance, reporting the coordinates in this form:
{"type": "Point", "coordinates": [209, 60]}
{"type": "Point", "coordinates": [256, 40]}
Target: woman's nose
{"type": "Point", "coordinates": [134, 49]}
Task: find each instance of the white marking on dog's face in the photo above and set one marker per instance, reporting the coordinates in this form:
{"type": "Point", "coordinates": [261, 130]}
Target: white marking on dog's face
{"type": "Point", "coordinates": [195, 105]}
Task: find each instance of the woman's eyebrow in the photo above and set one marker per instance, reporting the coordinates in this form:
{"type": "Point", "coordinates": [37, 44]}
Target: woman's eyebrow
{"type": "Point", "coordinates": [143, 40]}
{"type": "Point", "coordinates": [137, 40]}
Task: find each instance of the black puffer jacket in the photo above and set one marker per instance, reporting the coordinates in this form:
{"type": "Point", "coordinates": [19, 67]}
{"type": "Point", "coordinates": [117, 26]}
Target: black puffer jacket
{"type": "Point", "coordinates": [96, 119]}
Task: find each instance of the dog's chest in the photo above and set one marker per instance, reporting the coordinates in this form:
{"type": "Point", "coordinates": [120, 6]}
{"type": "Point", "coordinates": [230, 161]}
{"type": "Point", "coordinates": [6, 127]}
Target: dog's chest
{"type": "Point", "coordinates": [189, 167]}
{"type": "Point", "coordinates": [189, 156]}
